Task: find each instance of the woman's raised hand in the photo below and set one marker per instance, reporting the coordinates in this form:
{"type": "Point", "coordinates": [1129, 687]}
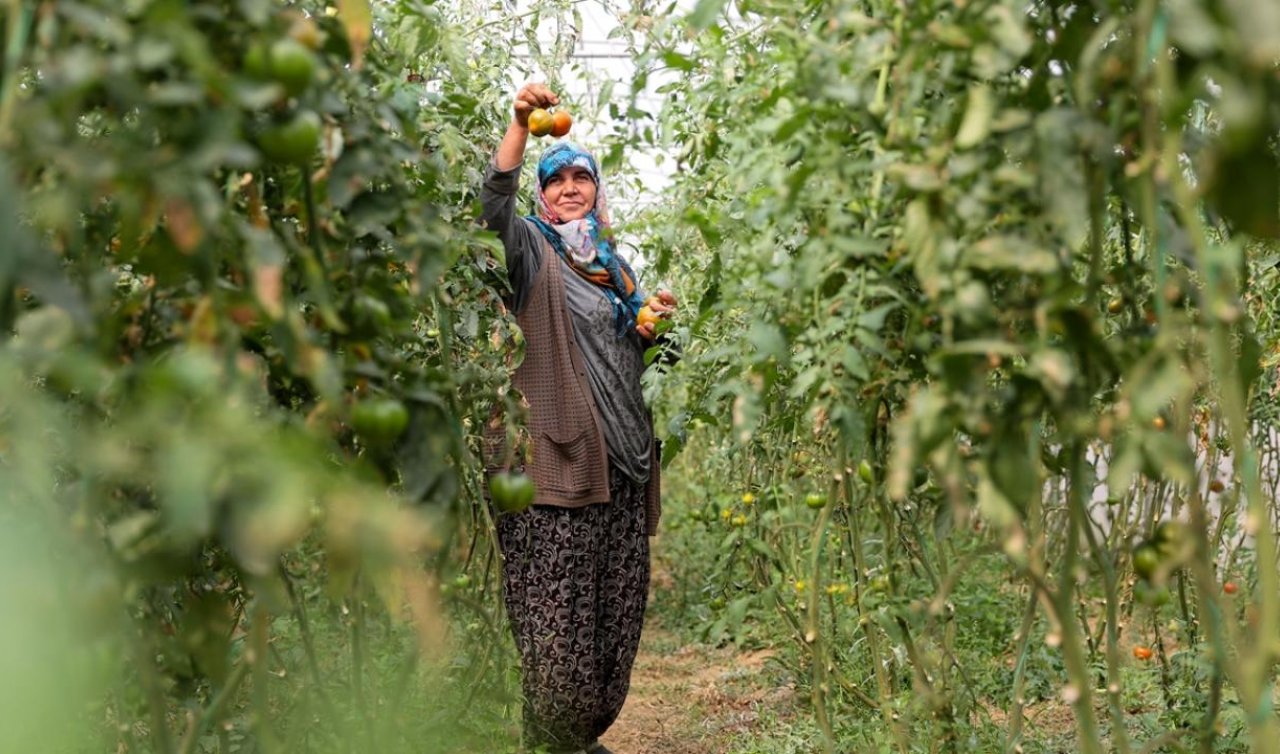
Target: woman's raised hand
{"type": "Point", "coordinates": [531, 97]}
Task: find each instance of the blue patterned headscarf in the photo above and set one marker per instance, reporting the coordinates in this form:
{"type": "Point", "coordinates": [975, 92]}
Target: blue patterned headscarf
{"type": "Point", "coordinates": [587, 245]}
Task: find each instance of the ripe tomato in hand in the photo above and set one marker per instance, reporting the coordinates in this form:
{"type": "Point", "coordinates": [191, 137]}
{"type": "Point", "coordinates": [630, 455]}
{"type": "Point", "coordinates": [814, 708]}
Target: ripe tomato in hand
{"type": "Point", "coordinates": [647, 316]}
{"type": "Point", "coordinates": [540, 122]}
{"type": "Point", "coordinates": [561, 122]}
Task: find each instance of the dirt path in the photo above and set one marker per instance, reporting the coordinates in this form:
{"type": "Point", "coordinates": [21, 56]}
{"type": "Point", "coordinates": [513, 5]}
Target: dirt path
{"type": "Point", "coordinates": [693, 699]}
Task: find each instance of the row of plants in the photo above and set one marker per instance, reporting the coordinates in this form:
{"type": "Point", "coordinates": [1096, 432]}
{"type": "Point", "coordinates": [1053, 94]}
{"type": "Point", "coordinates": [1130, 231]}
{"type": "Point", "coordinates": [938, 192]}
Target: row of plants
{"type": "Point", "coordinates": [977, 408]}
{"type": "Point", "coordinates": [247, 325]}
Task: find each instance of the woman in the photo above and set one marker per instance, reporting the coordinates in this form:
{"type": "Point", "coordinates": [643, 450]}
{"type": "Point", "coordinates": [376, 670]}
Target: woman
{"type": "Point", "coordinates": [576, 563]}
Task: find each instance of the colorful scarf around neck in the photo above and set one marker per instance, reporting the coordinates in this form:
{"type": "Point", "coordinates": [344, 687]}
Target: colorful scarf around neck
{"type": "Point", "coordinates": [587, 245]}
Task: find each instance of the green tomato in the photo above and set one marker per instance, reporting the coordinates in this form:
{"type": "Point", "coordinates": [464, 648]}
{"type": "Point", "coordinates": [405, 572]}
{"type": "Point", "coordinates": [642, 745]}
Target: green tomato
{"type": "Point", "coordinates": [815, 500]}
{"type": "Point", "coordinates": [1146, 560]}
{"type": "Point", "coordinates": [286, 61]}
{"type": "Point", "coordinates": [380, 422]}
{"type": "Point", "coordinates": [370, 316]}
{"type": "Point", "coordinates": [293, 142]}
{"type": "Point", "coordinates": [1149, 594]}
{"type": "Point", "coordinates": [865, 473]}
{"type": "Point", "coordinates": [511, 492]}
{"type": "Point", "coordinates": [255, 62]}
{"type": "Point", "coordinates": [1170, 536]}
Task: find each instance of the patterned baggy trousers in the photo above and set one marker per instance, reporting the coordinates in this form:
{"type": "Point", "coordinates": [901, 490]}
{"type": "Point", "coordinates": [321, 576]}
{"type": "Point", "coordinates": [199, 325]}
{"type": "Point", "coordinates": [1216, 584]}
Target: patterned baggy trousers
{"type": "Point", "coordinates": [575, 581]}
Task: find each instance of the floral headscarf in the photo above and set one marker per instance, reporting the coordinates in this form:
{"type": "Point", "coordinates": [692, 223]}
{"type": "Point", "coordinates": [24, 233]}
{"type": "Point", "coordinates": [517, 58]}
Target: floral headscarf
{"type": "Point", "coordinates": [587, 244]}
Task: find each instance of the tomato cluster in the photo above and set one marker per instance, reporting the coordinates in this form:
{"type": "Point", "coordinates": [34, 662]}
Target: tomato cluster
{"type": "Point", "coordinates": [293, 134]}
{"type": "Point", "coordinates": [1154, 558]}
{"type": "Point", "coordinates": [546, 123]}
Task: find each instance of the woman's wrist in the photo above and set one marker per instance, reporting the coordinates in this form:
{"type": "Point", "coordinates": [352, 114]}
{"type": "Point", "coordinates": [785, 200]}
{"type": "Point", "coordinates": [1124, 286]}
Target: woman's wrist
{"type": "Point", "coordinates": [511, 150]}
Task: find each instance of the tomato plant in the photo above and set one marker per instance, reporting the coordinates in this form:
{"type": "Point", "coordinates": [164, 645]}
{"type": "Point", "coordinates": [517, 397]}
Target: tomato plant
{"type": "Point", "coordinates": [233, 228]}
{"type": "Point", "coordinates": [987, 249]}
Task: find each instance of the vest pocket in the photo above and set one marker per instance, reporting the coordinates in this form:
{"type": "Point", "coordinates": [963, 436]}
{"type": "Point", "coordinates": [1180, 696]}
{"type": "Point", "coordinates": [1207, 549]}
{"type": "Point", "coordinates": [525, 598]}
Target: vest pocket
{"type": "Point", "coordinates": [565, 462]}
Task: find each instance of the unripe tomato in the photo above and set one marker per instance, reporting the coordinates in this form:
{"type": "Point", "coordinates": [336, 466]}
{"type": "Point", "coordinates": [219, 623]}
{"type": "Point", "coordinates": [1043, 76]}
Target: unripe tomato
{"type": "Point", "coordinates": [286, 61]}
{"type": "Point", "coordinates": [511, 492]}
{"type": "Point", "coordinates": [1170, 536]}
{"type": "Point", "coordinates": [1115, 305]}
{"type": "Point", "coordinates": [370, 316]}
{"type": "Point", "coordinates": [1148, 594]}
{"type": "Point", "coordinates": [540, 122]}
{"type": "Point", "coordinates": [380, 421]}
{"type": "Point", "coordinates": [815, 500]}
{"type": "Point", "coordinates": [1146, 559]}
{"type": "Point", "coordinates": [293, 142]}
{"type": "Point", "coordinates": [865, 473]}
{"type": "Point", "coordinates": [561, 122]}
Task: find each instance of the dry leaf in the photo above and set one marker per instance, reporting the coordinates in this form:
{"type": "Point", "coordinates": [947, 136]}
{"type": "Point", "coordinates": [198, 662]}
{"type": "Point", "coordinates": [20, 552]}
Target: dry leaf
{"type": "Point", "coordinates": [357, 18]}
{"type": "Point", "coordinates": [268, 286]}
{"type": "Point", "coordinates": [183, 227]}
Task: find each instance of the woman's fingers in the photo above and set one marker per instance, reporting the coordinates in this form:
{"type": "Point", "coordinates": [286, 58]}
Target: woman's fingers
{"type": "Point", "coordinates": [667, 297]}
{"type": "Point", "coordinates": [530, 97]}
{"type": "Point", "coordinates": [660, 308]}
{"type": "Point", "coordinates": [536, 95]}
{"type": "Point", "coordinates": [545, 97]}
{"type": "Point", "coordinates": [646, 331]}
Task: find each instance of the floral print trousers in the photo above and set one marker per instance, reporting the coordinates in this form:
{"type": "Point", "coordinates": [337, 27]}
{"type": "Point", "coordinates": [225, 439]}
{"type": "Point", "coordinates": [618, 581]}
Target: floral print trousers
{"type": "Point", "coordinates": [575, 581]}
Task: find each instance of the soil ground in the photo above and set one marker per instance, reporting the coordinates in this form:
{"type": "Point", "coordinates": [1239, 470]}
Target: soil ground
{"type": "Point", "coordinates": [693, 699]}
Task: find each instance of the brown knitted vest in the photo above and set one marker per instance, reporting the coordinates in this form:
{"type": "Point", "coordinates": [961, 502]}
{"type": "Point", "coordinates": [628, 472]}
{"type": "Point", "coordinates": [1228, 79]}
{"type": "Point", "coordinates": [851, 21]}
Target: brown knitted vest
{"type": "Point", "coordinates": [570, 462]}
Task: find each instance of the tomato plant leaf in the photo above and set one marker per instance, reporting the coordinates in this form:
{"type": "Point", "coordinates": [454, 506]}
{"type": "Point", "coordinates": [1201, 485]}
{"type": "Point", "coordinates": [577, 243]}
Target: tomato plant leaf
{"type": "Point", "coordinates": [704, 14]}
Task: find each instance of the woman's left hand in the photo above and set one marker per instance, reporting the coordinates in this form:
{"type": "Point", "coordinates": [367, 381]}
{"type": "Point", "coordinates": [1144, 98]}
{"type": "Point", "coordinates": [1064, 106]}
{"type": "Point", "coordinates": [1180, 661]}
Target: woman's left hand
{"type": "Point", "coordinates": [663, 303]}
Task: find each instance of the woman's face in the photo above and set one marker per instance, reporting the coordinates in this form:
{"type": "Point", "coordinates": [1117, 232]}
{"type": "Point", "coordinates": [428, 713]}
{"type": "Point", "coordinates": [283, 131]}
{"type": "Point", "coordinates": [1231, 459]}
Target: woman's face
{"type": "Point", "coordinates": [571, 193]}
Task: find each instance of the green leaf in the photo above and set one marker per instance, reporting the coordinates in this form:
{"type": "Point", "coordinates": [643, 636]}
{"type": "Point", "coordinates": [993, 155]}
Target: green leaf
{"type": "Point", "coordinates": [1000, 253]}
{"type": "Point", "coordinates": [705, 13]}
{"type": "Point", "coordinates": [976, 125]}
{"type": "Point", "coordinates": [678, 61]}
{"type": "Point", "coordinates": [768, 341]}
{"type": "Point", "coordinates": [873, 319]}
